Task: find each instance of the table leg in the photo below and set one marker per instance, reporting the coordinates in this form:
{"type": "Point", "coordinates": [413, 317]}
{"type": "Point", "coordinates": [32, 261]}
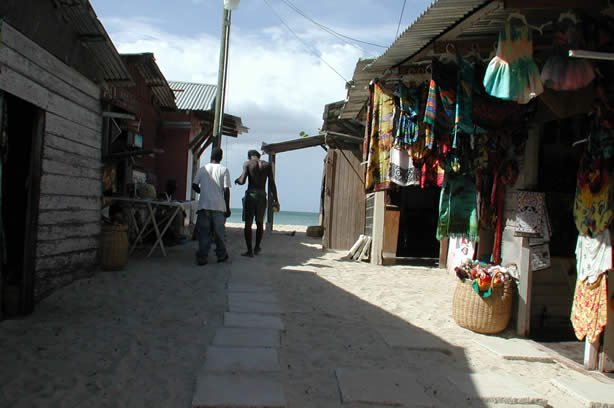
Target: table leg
{"type": "Point", "coordinates": [150, 218]}
{"type": "Point", "coordinates": [158, 235]}
{"type": "Point", "coordinates": [168, 224]}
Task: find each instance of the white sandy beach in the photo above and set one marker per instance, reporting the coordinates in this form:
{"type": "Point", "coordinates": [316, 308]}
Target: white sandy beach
{"type": "Point", "coordinates": [138, 337]}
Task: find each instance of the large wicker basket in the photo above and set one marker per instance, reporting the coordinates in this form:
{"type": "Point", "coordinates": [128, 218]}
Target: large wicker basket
{"type": "Point", "coordinates": [114, 246]}
{"type": "Point", "coordinates": [482, 315]}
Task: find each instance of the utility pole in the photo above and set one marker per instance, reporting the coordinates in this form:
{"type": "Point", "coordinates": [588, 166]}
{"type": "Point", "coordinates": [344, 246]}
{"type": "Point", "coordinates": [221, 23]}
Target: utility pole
{"type": "Point", "coordinates": [220, 96]}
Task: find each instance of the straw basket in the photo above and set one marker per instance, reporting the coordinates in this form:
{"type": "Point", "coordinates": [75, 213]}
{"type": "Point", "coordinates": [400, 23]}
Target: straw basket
{"type": "Point", "coordinates": [482, 315]}
{"type": "Point", "coordinates": [114, 247]}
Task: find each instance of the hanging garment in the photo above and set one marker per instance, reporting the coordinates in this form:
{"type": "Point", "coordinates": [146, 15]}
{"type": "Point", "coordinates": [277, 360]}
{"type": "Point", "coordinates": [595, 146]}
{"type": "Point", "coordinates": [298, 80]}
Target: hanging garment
{"type": "Point", "coordinates": [402, 170]}
{"type": "Point", "coordinates": [512, 74]}
{"type": "Point", "coordinates": [589, 312]}
{"type": "Point", "coordinates": [380, 138]}
{"type": "Point", "coordinates": [593, 256]}
{"type": "Point", "coordinates": [440, 112]}
{"type": "Point", "coordinates": [464, 99]}
{"type": "Point", "coordinates": [407, 132]}
{"type": "Point", "coordinates": [593, 201]}
{"type": "Point", "coordinates": [458, 208]}
{"type": "Point", "coordinates": [531, 214]}
{"type": "Point", "coordinates": [561, 72]}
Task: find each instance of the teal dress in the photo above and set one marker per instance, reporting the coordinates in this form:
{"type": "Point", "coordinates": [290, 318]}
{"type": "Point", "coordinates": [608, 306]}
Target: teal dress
{"type": "Point", "coordinates": [512, 75]}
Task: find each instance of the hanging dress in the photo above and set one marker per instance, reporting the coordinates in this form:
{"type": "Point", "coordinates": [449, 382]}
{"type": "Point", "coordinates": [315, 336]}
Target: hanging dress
{"type": "Point", "coordinates": [512, 74]}
{"type": "Point", "coordinates": [402, 169]}
{"type": "Point", "coordinates": [561, 72]}
{"type": "Point", "coordinates": [379, 138]}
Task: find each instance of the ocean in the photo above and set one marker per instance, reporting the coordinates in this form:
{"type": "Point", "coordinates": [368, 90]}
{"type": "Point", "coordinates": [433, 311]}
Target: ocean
{"type": "Point", "coordinates": [282, 217]}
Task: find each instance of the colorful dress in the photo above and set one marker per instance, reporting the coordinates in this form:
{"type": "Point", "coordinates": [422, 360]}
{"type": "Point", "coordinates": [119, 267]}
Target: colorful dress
{"type": "Point", "coordinates": [512, 74]}
{"type": "Point", "coordinates": [561, 72]}
{"type": "Point", "coordinates": [379, 138]}
{"type": "Point", "coordinates": [593, 201]}
{"type": "Point", "coordinates": [589, 312]}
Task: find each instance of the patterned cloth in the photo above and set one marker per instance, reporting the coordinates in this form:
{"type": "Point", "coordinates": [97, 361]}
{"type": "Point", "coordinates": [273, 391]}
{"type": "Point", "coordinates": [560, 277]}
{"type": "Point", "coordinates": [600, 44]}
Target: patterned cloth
{"type": "Point", "coordinates": [593, 202]}
{"type": "Point", "coordinates": [512, 74]}
{"type": "Point", "coordinates": [379, 138]}
{"type": "Point", "coordinates": [402, 170]}
{"type": "Point", "coordinates": [531, 217]}
{"type": "Point", "coordinates": [594, 256]}
{"type": "Point", "coordinates": [458, 208]}
{"type": "Point", "coordinates": [440, 113]}
{"type": "Point", "coordinates": [464, 99]}
{"type": "Point", "coordinates": [589, 312]}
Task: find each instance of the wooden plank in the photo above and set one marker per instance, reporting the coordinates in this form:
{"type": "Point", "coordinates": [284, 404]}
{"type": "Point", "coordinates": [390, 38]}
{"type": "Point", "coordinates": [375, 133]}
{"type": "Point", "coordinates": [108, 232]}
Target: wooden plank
{"type": "Point", "coordinates": [1, 231]}
{"type": "Point", "coordinates": [60, 231]}
{"type": "Point", "coordinates": [66, 262]}
{"type": "Point", "coordinates": [47, 61]}
{"type": "Point", "coordinates": [68, 216]}
{"type": "Point", "coordinates": [69, 146]}
{"type": "Point", "coordinates": [56, 247]}
{"type": "Point", "coordinates": [10, 58]}
{"type": "Point", "coordinates": [60, 202]}
{"type": "Point", "coordinates": [67, 185]}
{"type": "Point", "coordinates": [330, 191]}
{"type": "Point", "coordinates": [24, 88]}
{"type": "Point", "coordinates": [606, 362]}
{"type": "Point", "coordinates": [556, 4]}
{"type": "Point", "coordinates": [74, 131]}
{"type": "Point", "coordinates": [591, 353]}
{"type": "Point", "coordinates": [359, 242]}
{"type": "Point", "coordinates": [55, 167]}
{"type": "Point", "coordinates": [365, 249]}
{"type": "Point", "coordinates": [470, 20]}
{"type": "Point", "coordinates": [379, 208]}
{"type": "Point", "coordinates": [72, 159]}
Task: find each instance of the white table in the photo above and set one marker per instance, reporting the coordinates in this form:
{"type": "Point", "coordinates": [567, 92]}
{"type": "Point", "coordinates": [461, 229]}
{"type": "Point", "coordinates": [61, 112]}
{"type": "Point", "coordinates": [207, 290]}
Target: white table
{"type": "Point", "coordinates": [160, 227]}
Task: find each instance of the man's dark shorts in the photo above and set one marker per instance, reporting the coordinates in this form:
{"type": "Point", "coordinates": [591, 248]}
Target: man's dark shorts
{"type": "Point", "coordinates": [254, 205]}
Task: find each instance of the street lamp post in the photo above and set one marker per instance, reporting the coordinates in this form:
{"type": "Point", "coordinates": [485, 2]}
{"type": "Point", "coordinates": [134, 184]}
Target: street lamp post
{"type": "Point", "coordinates": [229, 5]}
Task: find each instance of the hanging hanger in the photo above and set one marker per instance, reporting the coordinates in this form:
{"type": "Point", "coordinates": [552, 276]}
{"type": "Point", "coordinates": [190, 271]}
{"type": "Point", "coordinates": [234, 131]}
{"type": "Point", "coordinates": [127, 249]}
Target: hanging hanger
{"type": "Point", "coordinates": [568, 15]}
{"type": "Point", "coordinates": [450, 55]}
{"type": "Point", "coordinates": [518, 16]}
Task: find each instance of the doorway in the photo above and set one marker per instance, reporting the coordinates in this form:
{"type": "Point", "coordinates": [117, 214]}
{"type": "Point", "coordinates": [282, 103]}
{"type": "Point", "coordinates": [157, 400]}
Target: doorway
{"type": "Point", "coordinates": [21, 134]}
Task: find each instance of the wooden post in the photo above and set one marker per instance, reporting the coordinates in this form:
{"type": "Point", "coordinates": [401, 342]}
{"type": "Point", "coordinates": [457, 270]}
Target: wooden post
{"type": "Point", "coordinates": [270, 213]}
{"type": "Point", "coordinates": [524, 290]}
{"type": "Point", "coordinates": [591, 353]}
{"type": "Point", "coordinates": [379, 210]}
{"type": "Point", "coordinates": [444, 244]}
{"type": "Point", "coordinates": [1, 223]}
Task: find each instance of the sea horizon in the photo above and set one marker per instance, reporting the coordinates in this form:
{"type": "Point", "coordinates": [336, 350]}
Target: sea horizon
{"type": "Point", "coordinates": [304, 218]}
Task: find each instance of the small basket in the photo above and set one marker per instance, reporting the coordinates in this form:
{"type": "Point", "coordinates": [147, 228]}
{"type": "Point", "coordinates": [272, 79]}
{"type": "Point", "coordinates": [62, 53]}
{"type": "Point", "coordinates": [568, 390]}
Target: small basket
{"type": "Point", "coordinates": [482, 315]}
{"type": "Point", "coordinates": [114, 247]}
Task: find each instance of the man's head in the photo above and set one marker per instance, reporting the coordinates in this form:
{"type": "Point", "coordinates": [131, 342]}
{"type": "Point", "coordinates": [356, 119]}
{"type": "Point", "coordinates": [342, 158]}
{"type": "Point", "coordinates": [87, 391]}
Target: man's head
{"type": "Point", "coordinates": [253, 154]}
{"type": "Point", "coordinates": [216, 154]}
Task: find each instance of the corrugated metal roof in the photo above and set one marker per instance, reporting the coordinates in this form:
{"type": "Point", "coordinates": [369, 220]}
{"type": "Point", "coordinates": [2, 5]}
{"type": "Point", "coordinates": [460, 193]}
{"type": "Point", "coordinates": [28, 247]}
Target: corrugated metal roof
{"type": "Point", "coordinates": [147, 67]}
{"type": "Point", "coordinates": [92, 34]}
{"type": "Point", "coordinates": [358, 91]}
{"type": "Point", "coordinates": [438, 17]}
{"type": "Point", "coordinates": [193, 96]}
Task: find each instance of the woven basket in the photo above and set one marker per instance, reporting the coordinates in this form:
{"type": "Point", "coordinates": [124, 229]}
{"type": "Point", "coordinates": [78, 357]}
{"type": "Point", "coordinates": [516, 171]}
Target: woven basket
{"type": "Point", "coordinates": [482, 315]}
{"type": "Point", "coordinates": [114, 247]}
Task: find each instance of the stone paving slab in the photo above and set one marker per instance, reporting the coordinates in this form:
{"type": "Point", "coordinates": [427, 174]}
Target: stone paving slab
{"type": "Point", "coordinates": [591, 393]}
{"type": "Point", "coordinates": [231, 360]}
{"type": "Point", "coordinates": [260, 297]}
{"type": "Point", "coordinates": [383, 387]}
{"type": "Point", "coordinates": [243, 391]}
{"type": "Point", "coordinates": [247, 306]}
{"type": "Point", "coordinates": [246, 337]}
{"type": "Point", "coordinates": [233, 319]}
{"type": "Point", "coordinates": [513, 349]}
{"type": "Point", "coordinates": [496, 388]}
{"type": "Point", "coordinates": [249, 288]}
{"type": "Point", "coordinates": [414, 338]}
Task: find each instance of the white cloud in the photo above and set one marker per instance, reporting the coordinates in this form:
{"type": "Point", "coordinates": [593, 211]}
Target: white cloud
{"type": "Point", "coordinates": [276, 86]}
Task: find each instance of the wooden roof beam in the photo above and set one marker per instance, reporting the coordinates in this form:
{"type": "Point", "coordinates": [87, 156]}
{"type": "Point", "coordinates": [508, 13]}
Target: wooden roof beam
{"type": "Point", "coordinates": [557, 4]}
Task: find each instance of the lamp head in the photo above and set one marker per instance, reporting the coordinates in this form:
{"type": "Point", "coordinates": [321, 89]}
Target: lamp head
{"type": "Point", "coordinates": [231, 4]}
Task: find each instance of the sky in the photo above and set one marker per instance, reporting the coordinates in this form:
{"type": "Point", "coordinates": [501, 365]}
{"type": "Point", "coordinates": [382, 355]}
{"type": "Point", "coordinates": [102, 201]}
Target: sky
{"type": "Point", "coordinates": [279, 67]}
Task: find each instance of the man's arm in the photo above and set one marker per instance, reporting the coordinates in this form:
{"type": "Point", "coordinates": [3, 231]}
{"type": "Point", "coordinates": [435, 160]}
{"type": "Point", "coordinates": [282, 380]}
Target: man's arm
{"type": "Point", "coordinates": [196, 187]}
{"type": "Point", "coordinates": [272, 186]}
{"type": "Point", "coordinates": [241, 180]}
{"type": "Point", "coordinates": [227, 200]}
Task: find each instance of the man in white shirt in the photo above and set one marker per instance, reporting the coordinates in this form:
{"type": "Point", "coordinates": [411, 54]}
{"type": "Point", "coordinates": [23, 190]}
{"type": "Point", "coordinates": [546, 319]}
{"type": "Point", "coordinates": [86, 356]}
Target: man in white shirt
{"type": "Point", "coordinates": [212, 182]}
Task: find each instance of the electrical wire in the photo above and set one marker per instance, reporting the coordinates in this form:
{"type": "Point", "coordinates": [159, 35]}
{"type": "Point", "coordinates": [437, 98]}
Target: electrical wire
{"type": "Point", "coordinates": [329, 30]}
{"type": "Point", "coordinates": [400, 18]}
{"type": "Point", "coordinates": [310, 48]}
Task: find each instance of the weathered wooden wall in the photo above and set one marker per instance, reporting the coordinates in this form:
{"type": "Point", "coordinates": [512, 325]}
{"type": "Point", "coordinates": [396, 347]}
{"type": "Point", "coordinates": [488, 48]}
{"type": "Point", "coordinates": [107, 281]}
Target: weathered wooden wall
{"type": "Point", "coordinates": [70, 198]}
{"type": "Point", "coordinates": [344, 213]}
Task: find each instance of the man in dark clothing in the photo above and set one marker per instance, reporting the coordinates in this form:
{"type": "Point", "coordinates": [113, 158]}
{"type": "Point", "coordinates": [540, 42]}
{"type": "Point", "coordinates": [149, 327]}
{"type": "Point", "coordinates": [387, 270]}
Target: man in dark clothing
{"type": "Point", "coordinates": [257, 172]}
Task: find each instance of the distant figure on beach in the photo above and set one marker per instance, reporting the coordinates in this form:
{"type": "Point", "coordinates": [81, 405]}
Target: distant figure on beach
{"type": "Point", "coordinates": [257, 172]}
{"type": "Point", "coordinates": [212, 182]}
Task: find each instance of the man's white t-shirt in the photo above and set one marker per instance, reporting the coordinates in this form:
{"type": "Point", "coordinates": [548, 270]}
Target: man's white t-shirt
{"type": "Point", "coordinates": [212, 178]}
